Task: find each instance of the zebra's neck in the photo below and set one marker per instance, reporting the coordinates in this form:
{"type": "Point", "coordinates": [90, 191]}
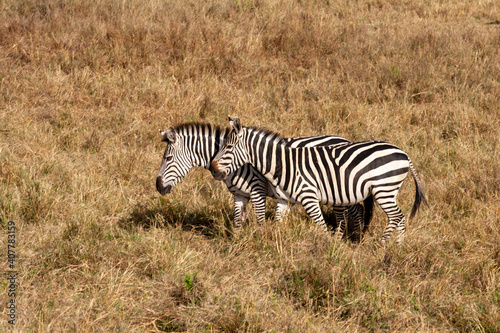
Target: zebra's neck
{"type": "Point", "coordinates": [202, 142]}
{"type": "Point", "coordinates": [265, 152]}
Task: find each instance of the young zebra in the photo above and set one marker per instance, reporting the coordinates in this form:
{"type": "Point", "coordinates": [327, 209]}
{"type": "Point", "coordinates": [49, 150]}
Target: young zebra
{"type": "Point", "coordinates": [193, 144]}
{"type": "Point", "coordinates": [340, 175]}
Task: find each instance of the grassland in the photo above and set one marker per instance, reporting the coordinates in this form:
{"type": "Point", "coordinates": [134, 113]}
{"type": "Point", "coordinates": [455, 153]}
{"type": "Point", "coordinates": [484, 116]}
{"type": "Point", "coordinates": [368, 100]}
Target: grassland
{"type": "Point", "coordinates": [85, 86]}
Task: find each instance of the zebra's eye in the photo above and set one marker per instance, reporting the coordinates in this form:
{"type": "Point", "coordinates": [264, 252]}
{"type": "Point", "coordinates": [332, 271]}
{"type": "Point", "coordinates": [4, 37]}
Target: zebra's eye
{"type": "Point", "coordinates": [169, 158]}
{"type": "Point", "coordinates": [229, 147]}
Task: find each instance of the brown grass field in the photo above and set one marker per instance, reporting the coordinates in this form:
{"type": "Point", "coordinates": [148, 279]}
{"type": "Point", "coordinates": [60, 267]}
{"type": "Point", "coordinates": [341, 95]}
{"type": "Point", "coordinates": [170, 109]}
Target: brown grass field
{"type": "Point", "coordinates": [85, 86]}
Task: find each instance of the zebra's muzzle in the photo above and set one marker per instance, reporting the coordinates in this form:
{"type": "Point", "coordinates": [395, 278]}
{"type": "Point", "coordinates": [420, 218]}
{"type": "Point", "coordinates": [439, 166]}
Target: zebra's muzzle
{"type": "Point", "coordinates": [216, 172]}
{"type": "Point", "coordinates": [163, 189]}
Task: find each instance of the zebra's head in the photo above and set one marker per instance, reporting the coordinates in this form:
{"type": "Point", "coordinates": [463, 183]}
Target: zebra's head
{"type": "Point", "coordinates": [174, 165]}
{"type": "Point", "coordinates": [232, 154]}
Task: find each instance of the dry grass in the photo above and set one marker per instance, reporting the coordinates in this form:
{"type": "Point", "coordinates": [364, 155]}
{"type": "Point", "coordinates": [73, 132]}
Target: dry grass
{"type": "Point", "coordinates": [84, 87]}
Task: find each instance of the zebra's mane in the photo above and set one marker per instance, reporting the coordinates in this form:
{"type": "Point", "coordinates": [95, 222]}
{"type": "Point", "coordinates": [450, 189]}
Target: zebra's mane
{"type": "Point", "coordinates": [268, 133]}
{"type": "Point", "coordinates": [197, 127]}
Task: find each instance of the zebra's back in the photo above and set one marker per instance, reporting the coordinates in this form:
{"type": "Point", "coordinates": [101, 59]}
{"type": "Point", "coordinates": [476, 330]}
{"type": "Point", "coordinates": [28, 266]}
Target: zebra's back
{"type": "Point", "coordinates": [343, 174]}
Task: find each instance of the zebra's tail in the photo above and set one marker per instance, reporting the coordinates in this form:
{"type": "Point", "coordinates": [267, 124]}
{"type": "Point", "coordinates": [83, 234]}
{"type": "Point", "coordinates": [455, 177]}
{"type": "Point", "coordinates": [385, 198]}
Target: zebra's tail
{"type": "Point", "coordinates": [419, 193]}
{"type": "Point", "coordinates": [367, 216]}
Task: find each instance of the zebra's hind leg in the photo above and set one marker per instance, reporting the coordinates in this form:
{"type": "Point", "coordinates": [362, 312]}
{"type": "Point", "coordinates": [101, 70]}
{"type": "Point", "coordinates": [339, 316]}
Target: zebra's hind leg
{"type": "Point", "coordinates": [401, 230]}
{"type": "Point", "coordinates": [386, 199]}
{"type": "Point", "coordinates": [240, 204]}
{"type": "Point", "coordinates": [282, 210]}
{"type": "Point", "coordinates": [395, 218]}
{"type": "Point", "coordinates": [341, 217]}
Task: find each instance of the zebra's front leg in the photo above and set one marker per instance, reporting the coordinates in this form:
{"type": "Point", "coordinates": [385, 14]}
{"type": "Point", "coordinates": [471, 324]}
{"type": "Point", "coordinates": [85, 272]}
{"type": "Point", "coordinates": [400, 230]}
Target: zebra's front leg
{"type": "Point", "coordinates": [282, 210]}
{"type": "Point", "coordinates": [356, 212]}
{"type": "Point", "coordinates": [240, 204]}
{"type": "Point", "coordinates": [259, 204]}
{"type": "Point", "coordinates": [311, 205]}
{"type": "Point", "coordinates": [341, 217]}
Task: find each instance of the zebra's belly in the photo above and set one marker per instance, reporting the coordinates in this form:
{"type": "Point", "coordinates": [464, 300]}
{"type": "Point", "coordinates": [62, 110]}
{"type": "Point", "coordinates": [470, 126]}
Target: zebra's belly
{"type": "Point", "coordinates": [278, 193]}
{"type": "Point", "coordinates": [338, 202]}
{"type": "Point", "coordinates": [338, 199]}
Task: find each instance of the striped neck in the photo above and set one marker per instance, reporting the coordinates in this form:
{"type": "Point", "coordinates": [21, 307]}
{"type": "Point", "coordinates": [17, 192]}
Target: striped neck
{"type": "Point", "coordinates": [264, 150]}
{"type": "Point", "coordinates": [201, 141]}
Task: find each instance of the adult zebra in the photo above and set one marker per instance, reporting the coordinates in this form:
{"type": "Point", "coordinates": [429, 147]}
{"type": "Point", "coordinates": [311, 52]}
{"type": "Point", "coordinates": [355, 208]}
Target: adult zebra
{"type": "Point", "coordinates": [340, 175]}
{"type": "Point", "coordinates": [195, 144]}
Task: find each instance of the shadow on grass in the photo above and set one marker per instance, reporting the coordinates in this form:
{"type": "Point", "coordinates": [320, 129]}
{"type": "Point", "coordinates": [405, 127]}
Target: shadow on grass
{"type": "Point", "coordinates": [162, 214]}
{"type": "Point", "coordinates": [167, 215]}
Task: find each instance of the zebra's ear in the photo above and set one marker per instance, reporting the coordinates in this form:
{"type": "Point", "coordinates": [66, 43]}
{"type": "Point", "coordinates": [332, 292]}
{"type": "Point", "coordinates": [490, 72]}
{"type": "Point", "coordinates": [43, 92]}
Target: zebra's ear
{"type": "Point", "coordinates": [235, 124]}
{"type": "Point", "coordinates": [168, 136]}
{"type": "Point", "coordinates": [163, 135]}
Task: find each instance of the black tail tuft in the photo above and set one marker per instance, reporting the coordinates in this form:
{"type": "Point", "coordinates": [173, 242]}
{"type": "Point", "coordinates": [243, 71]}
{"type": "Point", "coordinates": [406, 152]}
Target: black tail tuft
{"type": "Point", "coordinates": [419, 193]}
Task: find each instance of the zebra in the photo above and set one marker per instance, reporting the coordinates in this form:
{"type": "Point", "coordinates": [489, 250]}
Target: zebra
{"type": "Point", "coordinates": [196, 144]}
{"type": "Point", "coordinates": [340, 175]}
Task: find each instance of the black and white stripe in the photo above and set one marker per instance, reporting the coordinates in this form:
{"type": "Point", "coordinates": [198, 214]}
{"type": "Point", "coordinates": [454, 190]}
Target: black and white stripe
{"type": "Point", "coordinates": [193, 144]}
{"type": "Point", "coordinates": [340, 175]}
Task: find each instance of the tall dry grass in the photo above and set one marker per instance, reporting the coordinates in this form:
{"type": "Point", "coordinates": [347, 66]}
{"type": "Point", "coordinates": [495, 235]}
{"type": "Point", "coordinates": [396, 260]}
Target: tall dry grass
{"type": "Point", "coordinates": [85, 85]}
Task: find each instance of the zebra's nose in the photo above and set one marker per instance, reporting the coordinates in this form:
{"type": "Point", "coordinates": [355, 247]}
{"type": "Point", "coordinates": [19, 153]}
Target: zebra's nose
{"type": "Point", "coordinates": [159, 185]}
{"type": "Point", "coordinates": [218, 175]}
